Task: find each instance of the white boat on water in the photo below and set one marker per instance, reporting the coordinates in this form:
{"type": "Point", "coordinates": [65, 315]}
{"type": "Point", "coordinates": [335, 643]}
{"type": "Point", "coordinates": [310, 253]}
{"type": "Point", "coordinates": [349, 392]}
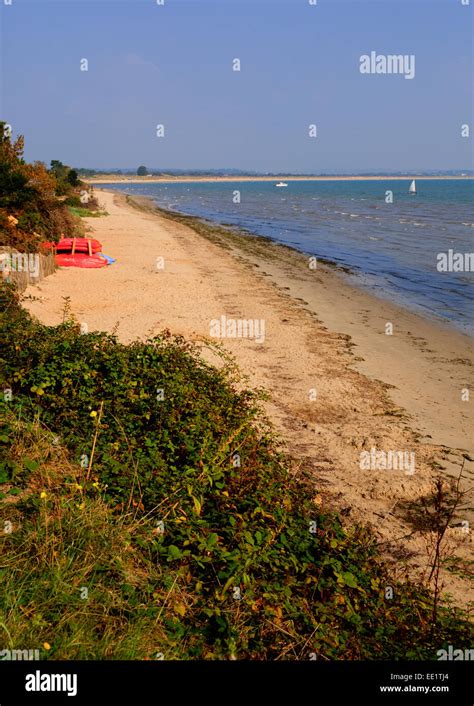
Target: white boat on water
{"type": "Point", "coordinates": [281, 183]}
{"type": "Point", "coordinates": [412, 189]}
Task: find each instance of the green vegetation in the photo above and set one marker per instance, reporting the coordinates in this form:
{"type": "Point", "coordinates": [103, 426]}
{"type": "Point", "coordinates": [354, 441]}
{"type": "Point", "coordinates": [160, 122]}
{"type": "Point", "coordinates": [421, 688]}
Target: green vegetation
{"type": "Point", "coordinates": [151, 479]}
{"type": "Point", "coordinates": [73, 178]}
{"type": "Point", "coordinates": [30, 208]}
{"type": "Point", "coordinates": [34, 200]}
{"type": "Point", "coordinates": [86, 213]}
{"type": "Point", "coordinates": [142, 171]}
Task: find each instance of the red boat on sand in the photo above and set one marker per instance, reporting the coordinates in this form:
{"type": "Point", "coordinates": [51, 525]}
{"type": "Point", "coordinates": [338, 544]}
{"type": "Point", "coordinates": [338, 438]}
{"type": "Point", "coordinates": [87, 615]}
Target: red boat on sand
{"type": "Point", "coordinates": [79, 252]}
{"type": "Point", "coordinates": [73, 245]}
{"type": "Point", "coordinates": [80, 260]}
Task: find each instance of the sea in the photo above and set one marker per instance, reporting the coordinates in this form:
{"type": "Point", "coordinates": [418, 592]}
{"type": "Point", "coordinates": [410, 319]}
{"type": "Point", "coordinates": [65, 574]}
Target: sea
{"type": "Point", "coordinates": [401, 247]}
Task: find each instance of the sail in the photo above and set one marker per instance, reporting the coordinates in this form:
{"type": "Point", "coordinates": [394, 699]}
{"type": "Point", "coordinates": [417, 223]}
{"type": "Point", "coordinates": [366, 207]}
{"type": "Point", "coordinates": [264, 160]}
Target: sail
{"type": "Point", "coordinates": [412, 188]}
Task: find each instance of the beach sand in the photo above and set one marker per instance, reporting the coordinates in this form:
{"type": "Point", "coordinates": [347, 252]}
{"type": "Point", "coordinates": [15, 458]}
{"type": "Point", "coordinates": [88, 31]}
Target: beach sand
{"type": "Point", "coordinates": [324, 339]}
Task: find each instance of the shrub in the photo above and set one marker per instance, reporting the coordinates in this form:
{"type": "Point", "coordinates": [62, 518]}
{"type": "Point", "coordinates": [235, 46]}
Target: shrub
{"type": "Point", "coordinates": [29, 221]}
{"type": "Point", "coordinates": [73, 201]}
{"type": "Point", "coordinates": [28, 193]}
{"type": "Point", "coordinates": [180, 465]}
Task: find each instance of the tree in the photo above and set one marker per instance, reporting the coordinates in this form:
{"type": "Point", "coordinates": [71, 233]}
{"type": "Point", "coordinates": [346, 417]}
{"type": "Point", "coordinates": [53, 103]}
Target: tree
{"type": "Point", "coordinates": [73, 178]}
{"type": "Point", "coordinates": [59, 169]}
{"type": "Point", "coordinates": [142, 171]}
{"type": "Point", "coordinates": [30, 211]}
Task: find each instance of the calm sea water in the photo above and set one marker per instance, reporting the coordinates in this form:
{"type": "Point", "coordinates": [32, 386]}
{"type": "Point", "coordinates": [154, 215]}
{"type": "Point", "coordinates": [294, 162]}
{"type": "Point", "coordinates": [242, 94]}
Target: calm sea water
{"type": "Point", "coordinates": [391, 248]}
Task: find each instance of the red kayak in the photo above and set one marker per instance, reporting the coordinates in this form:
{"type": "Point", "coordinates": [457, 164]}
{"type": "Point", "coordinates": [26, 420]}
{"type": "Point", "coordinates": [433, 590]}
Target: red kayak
{"type": "Point", "coordinates": [79, 245]}
{"type": "Point", "coordinates": [80, 260]}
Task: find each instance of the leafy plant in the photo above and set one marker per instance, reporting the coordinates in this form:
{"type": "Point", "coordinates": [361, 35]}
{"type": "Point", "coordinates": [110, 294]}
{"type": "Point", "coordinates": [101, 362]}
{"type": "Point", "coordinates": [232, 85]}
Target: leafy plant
{"type": "Point", "coordinates": [188, 522]}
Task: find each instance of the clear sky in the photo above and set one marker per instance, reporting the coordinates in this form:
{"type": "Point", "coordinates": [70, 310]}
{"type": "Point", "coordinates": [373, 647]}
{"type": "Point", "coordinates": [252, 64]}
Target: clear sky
{"type": "Point", "coordinates": [300, 64]}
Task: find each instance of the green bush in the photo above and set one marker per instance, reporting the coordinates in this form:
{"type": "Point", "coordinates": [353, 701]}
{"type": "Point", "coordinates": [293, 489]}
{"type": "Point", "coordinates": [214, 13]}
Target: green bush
{"type": "Point", "coordinates": [30, 221]}
{"type": "Point", "coordinates": [252, 567]}
{"type": "Point", "coordinates": [73, 201]}
{"type": "Point", "coordinates": [30, 210]}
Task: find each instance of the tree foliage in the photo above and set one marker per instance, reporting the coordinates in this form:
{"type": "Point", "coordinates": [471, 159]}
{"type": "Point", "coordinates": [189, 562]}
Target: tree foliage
{"type": "Point", "coordinates": [73, 178]}
{"type": "Point", "coordinates": [31, 210]}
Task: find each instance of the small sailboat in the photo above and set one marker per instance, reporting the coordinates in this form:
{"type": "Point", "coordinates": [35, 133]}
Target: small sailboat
{"type": "Point", "coordinates": [281, 183]}
{"type": "Point", "coordinates": [412, 189]}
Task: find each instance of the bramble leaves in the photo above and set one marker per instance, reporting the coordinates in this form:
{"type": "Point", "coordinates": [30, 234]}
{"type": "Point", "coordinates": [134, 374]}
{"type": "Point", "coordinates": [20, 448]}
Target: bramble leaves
{"type": "Point", "coordinates": [219, 559]}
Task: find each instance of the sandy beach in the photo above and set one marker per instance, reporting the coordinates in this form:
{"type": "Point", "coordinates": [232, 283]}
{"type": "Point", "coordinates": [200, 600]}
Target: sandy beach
{"type": "Point", "coordinates": [338, 384]}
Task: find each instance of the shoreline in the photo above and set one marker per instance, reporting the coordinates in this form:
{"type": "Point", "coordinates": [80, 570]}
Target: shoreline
{"type": "Point", "coordinates": [399, 392]}
{"type": "Point", "coordinates": [424, 304]}
{"type": "Point", "coordinates": [342, 269]}
{"type": "Point", "coordinates": [261, 251]}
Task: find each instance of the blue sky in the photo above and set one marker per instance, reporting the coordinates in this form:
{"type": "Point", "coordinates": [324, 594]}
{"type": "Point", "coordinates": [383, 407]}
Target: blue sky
{"type": "Point", "coordinates": [172, 65]}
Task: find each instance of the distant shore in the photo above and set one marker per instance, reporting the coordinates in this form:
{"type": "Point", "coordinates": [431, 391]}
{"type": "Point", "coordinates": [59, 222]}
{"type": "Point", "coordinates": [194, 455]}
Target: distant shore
{"type": "Point", "coordinates": [133, 179]}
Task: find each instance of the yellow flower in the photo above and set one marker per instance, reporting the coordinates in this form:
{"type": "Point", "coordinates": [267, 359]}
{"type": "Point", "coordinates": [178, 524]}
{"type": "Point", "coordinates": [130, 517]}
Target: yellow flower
{"type": "Point", "coordinates": [95, 485]}
{"type": "Point", "coordinates": [46, 645]}
{"type": "Point", "coordinates": [43, 495]}
{"type": "Point", "coordinates": [81, 506]}
{"type": "Point", "coordinates": [78, 487]}
{"type": "Point", "coordinates": [93, 414]}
